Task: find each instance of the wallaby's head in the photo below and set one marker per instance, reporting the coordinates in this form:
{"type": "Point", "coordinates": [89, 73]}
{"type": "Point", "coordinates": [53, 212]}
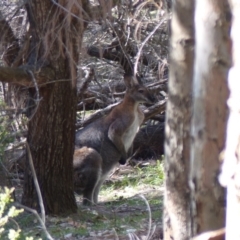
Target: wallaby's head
{"type": "Point", "coordinates": [137, 91]}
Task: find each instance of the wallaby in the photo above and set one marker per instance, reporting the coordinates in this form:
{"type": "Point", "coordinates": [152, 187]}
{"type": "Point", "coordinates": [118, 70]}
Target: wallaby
{"type": "Point", "coordinates": [107, 141]}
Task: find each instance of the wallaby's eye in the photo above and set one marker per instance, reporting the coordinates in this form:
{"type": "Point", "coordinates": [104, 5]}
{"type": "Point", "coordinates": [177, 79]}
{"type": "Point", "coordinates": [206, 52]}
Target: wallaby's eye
{"type": "Point", "coordinates": [141, 91]}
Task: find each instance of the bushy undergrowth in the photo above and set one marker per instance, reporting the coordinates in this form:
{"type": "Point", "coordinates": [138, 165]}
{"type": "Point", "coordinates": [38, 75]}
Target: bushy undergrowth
{"type": "Point", "coordinates": [7, 213]}
{"type": "Point", "coordinates": [9, 226]}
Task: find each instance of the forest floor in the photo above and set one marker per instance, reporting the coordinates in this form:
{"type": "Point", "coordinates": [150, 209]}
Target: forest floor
{"type": "Point", "coordinates": [130, 207]}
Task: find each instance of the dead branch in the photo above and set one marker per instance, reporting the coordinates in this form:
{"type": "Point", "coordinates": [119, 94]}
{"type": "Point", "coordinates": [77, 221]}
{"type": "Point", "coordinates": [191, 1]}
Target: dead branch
{"type": "Point", "coordinates": [139, 53]}
{"type": "Point", "coordinates": [112, 54]}
{"type": "Point", "coordinates": [43, 216]}
{"type": "Point", "coordinates": [20, 76]}
{"type": "Point", "coordinates": [85, 83]}
{"type": "Point", "coordinates": [162, 81]}
{"type": "Point", "coordinates": [96, 115]}
{"type": "Point", "coordinates": [110, 92]}
{"type": "Point", "coordinates": [155, 109]}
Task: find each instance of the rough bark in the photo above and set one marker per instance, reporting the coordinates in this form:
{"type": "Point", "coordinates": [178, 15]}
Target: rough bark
{"type": "Point", "coordinates": [50, 137]}
{"type": "Point", "coordinates": [209, 113]}
{"type": "Point", "coordinates": [52, 123]}
{"type": "Point", "coordinates": [177, 129]}
{"type": "Point", "coordinates": [230, 176]}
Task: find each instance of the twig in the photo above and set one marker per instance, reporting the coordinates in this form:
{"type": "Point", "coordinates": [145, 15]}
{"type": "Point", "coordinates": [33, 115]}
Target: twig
{"type": "Point", "coordinates": [36, 184]}
{"type": "Point", "coordinates": [162, 81]}
{"type": "Point", "coordinates": [143, 43]}
{"type": "Point", "coordinates": [129, 63]}
{"type": "Point", "coordinates": [150, 233]}
{"type": "Point", "coordinates": [96, 115]}
{"type": "Point", "coordinates": [17, 145]}
{"type": "Point", "coordinates": [155, 109]}
{"type": "Point", "coordinates": [38, 217]}
{"type": "Point", "coordinates": [116, 235]}
{"type": "Point", "coordinates": [89, 76]}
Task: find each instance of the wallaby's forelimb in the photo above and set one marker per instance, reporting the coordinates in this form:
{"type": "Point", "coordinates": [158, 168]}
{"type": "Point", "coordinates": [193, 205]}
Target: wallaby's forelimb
{"type": "Point", "coordinates": [114, 135]}
{"type": "Point", "coordinates": [123, 160]}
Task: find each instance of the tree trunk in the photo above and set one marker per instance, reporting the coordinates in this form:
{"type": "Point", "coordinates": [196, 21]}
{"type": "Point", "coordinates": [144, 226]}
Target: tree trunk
{"type": "Point", "coordinates": [209, 113]}
{"type": "Point", "coordinates": [230, 176]}
{"type": "Point", "coordinates": [52, 122]}
{"type": "Point", "coordinates": [51, 138]}
{"type": "Point", "coordinates": [177, 129]}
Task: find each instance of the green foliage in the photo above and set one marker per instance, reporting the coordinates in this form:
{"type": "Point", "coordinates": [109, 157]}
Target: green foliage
{"type": "Point", "coordinates": [9, 228]}
{"type": "Point", "coordinates": [152, 175]}
{"type": "Point", "coordinates": [7, 213]}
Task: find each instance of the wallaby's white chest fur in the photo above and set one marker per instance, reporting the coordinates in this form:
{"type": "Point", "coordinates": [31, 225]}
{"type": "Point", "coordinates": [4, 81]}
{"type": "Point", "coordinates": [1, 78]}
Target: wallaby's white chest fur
{"type": "Point", "coordinates": [131, 132]}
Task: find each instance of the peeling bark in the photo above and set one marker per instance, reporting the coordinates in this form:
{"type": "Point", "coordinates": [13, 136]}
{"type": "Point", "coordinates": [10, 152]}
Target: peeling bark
{"type": "Point", "coordinates": [210, 92]}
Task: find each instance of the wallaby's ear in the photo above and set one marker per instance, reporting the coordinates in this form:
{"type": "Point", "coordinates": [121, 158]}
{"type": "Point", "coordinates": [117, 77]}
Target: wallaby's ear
{"type": "Point", "coordinates": [131, 81]}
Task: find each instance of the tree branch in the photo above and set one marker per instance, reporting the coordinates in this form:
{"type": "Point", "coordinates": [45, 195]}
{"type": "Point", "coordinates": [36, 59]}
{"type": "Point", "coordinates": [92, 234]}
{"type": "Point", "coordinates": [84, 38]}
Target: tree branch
{"type": "Point", "coordinates": [154, 110]}
{"type": "Point", "coordinates": [110, 53]}
{"type": "Point", "coordinates": [20, 76]}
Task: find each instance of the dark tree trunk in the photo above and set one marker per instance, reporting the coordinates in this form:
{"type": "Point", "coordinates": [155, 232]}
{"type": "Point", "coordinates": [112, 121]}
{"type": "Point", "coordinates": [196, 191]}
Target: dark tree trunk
{"type": "Point", "coordinates": [51, 138]}
{"type": "Point", "coordinates": [52, 122]}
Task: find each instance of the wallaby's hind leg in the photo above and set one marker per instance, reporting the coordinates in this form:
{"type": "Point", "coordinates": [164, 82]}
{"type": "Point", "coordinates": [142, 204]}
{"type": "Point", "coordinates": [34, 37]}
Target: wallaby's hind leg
{"type": "Point", "coordinates": [87, 165]}
{"type": "Point", "coordinates": [88, 193]}
{"type": "Point", "coordinates": [96, 190]}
